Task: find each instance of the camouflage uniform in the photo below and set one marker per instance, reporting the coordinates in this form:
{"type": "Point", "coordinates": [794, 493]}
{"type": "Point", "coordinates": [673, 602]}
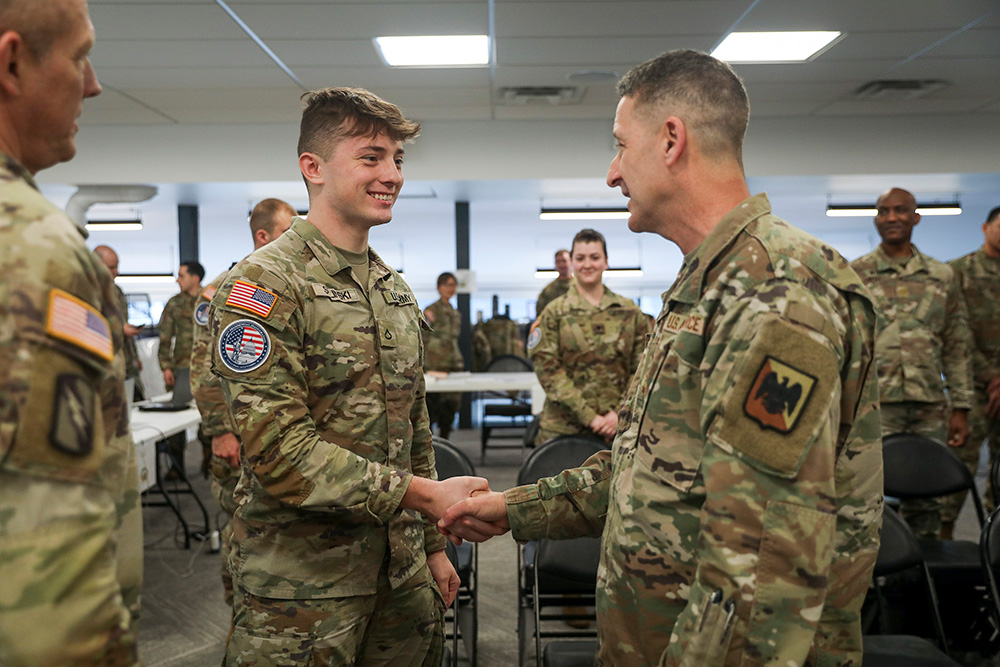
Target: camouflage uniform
{"type": "Point", "coordinates": [215, 420]}
{"type": "Point", "coordinates": [176, 331]}
{"type": "Point", "coordinates": [923, 333]}
{"type": "Point", "coordinates": [979, 276]}
{"type": "Point", "coordinates": [325, 381]}
{"type": "Point", "coordinates": [503, 337]}
{"type": "Point", "coordinates": [481, 352]}
{"type": "Point", "coordinates": [442, 354]}
{"type": "Point", "coordinates": [584, 356]}
{"type": "Point", "coordinates": [747, 462]}
{"type": "Point", "coordinates": [70, 522]}
{"type": "Point", "coordinates": [131, 353]}
{"type": "Point", "coordinates": [551, 292]}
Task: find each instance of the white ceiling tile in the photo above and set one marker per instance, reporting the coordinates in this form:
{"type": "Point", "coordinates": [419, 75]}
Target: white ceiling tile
{"type": "Point", "coordinates": [189, 53]}
{"type": "Point", "coordinates": [162, 20]}
{"type": "Point", "coordinates": [581, 51]}
{"type": "Point", "coordinates": [865, 15]}
{"type": "Point", "coordinates": [621, 18]}
{"type": "Point", "coordinates": [125, 77]}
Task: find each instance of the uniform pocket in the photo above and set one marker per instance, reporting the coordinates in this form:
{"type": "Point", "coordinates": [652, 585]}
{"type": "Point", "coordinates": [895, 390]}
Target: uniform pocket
{"type": "Point", "coordinates": [246, 649]}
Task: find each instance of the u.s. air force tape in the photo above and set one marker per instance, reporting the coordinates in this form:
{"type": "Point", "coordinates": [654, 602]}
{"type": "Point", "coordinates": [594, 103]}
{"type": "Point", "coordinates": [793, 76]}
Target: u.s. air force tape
{"type": "Point", "coordinates": [244, 346]}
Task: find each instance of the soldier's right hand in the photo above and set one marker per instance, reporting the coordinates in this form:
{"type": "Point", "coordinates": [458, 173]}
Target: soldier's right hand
{"type": "Point", "coordinates": [476, 519]}
{"type": "Point", "coordinates": [433, 498]}
{"type": "Point", "coordinates": [227, 447]}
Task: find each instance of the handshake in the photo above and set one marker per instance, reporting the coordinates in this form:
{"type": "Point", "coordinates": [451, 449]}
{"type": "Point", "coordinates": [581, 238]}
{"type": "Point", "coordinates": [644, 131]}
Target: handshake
{"type": "Point", "coordinates": [463, 507]}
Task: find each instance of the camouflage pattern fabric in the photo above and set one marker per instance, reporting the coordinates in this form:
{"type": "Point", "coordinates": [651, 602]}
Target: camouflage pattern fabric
{"type": "Point", "coordinates": [584, 357]}
{"type": "Point", "coordinates": [176, 331]}
{"type": "Point", "coordinates": [979, 277]}
{"type": "Point", "coordinates": [503, 337]}
{"type": "Point", "coordinates": [70, 522]}
{"type": "Point", "coordinates": [923, 515]}
{"type": "Point", "coordinates": [747, 468]}
{"type": "Point", "coordinates": [550, 292]}
{"type": "Point", "coordinates": [215, 420]}
{"type": "Point", "coordinates": [396, 626]}
{"type": "Point", "coordinates": [924, 329]}
{"type": "Point", "coordinates": [442, 353]}
{"type": "Point", "coordinates": [481, 352]}
{"type": "Point", "coordinates": [131, 353]}
{"type": "Point", "coordinates": [327, 391]}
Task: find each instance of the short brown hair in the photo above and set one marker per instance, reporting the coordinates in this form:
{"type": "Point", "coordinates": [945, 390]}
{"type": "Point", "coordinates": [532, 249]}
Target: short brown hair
{"type": "Point", "coordinates": [334, 113]}
{"type": "Point", "coordinates": [590, 236]}
{"type": "Point", "coordinates": [262, 216]}
{"type": "Point", "coordinates": [38, 23]}
{"type": "Point", "coordinates": [705, 92]}
{"type": "Point", "coordinates": [445, 277]}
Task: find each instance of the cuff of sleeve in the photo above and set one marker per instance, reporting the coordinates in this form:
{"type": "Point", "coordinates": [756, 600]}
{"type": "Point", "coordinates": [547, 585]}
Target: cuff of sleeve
{"type": "Point", "coordinates": [525, 513]}
{"type": "Point", "coordinates": [433, 540]}
{"type": "Point", "coordinates": [587, 415]}
{"type": "Point", "coordinates": [215, 427]}
{"type": "Point", "coordinates": [387, 491]}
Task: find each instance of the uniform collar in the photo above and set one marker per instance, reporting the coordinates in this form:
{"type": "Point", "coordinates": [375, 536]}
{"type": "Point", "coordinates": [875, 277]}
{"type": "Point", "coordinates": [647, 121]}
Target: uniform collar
{"type": "Point", "coordinates": [328, 255]}
{"type": "Point", "coordinates": [884, 263]}
{"type": "Point", "coordinates": [690, 281]}
{"type": "Point", "coordinates": [12, 170]}
{"type": "Point", "coordinates": [577, 300]}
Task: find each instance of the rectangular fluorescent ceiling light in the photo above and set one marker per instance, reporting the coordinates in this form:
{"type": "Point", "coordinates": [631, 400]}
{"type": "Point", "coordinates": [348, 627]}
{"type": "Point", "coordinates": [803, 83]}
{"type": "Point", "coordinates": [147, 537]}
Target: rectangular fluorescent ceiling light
{"type": "Point", "coordinates": [434, 50]}
{"type": "Point", "coordinates": [862, 211]}
{"type": "Point", "coordinates": [114, 225]}
{"type": "Point", "coordinates": [584, 214]}
{"type": "Point", "coordinates": [773, 47]}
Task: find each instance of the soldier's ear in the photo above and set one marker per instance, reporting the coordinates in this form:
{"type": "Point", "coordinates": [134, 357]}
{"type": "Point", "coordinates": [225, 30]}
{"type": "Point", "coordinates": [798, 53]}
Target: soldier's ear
{"type": "Point", "coordinates": [311, 167]}
{"type": "Point", "coordinates": [12, 53]}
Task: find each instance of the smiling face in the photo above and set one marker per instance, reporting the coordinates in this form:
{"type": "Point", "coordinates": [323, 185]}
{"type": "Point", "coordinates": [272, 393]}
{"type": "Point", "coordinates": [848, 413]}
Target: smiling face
{"type": "Point", "coordinates": [54, 87]}
{"type": "Point", "coordinates": [896, 216]}
{"type": "Point", "coordinates": [563, 265]}
{"type": "Point", "coordinates": [362, 178]}
{"type": "Point", "coordinates": [636, 168]}
{"type": "Point", "coordinates": [589, 262]}
{"type": "Point", "coordinates": [448, 288]}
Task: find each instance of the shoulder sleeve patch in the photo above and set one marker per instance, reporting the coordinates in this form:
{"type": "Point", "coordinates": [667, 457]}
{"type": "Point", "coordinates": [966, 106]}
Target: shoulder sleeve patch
{"type": "Point", "coordinates": [778, 398]}
{"type": "Point", "coordinates": [244, 346]}
{"type": "Point", "coordinates": [201, 313]}
{"type": "Point", "coordinates": [534, 337]}
{"type": "Point", "coordinates": [251, 297]}
{"type": "Point", "coordinates": [72, 430]}
{"type": "Point", "coordinates": [208, 293]}
{"type": "Point", "coordinates": [76, 321]}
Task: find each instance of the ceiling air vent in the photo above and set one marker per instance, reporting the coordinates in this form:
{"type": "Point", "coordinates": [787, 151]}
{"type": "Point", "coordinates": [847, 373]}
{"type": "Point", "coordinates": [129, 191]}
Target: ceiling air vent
{"type": "Point", "coordinates": [898, 89]}
{"type": "Point", "coordinates": [545, 95]}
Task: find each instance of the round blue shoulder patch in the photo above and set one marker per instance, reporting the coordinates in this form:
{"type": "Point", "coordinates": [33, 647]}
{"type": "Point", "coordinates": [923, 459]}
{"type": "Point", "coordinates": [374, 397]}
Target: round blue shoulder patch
{"type": "Point", "coordinates": [201, 313]}
{"type": "Point", "coordinates": [244, 346]}
{"type": "Point", "coordinates": [534, 337]}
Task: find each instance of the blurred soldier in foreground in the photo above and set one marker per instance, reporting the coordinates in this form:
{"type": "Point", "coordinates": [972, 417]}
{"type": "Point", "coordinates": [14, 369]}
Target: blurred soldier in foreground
{"type": "Point", "coordinates": [979, 276]}
{"type": "Point", "coordinates": [586, 348]}
{"type": "Point", "coordinates": [442, 352]}
{"type": "Point", "coordinates": [741, 501]}
{"type": "Point", "coordinates": [318, 345]}
{"type": "Point", "coordinates": [924, 336]}
{"type": "Point", "coordinates": [268, 220]}
{"type": "Point", "coordinates": [70, 525]}
{"type": "Point", "coordinates": [560, 285]}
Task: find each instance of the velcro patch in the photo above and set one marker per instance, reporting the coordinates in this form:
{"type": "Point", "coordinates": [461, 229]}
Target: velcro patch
{"type": "Point", "coordinates": [244, 346]}
{"type": "Point", "coordinates": [201, 313]}
{"type": "Point", "coordinates": [76, 321]}
{"type": "Point", "coordinates": [251, 297]}
{"type": "Point", "coordinates": [779, 398]}
{"type": "Point", "coordinates": [690, 323]}
{"type": "Point", "coordinates": [398, 298]}
{"type": "Point", "coordinates": [72, 429]}
{"type": "Point", "coordinates": [343, 295]}
{"type": "Point", "coordinates": [208, 293]}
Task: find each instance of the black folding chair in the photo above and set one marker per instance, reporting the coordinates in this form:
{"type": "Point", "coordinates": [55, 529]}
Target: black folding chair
{"type": "Point", "coordinates": [450, 461]}
{"type": "Point", "coordinates": [548, 459]}
{"type": "Point", "coordinates": [989, 545]}
{"type": "Point", "coordinates": [565, 574]}
{"type": "Point", "coordinates": [900, 552]}
{"type": "Point", "coordinates": [503, 410]}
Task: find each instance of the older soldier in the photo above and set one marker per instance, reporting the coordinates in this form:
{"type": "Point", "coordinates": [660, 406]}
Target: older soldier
{"type": "Point", "coordinates": [268, 220]}
{"type": "Point", "coordinates": [979, 275]}
{"type": "Point", "coordinates": [560, 285]}
{"type": "Point", "coordinates": [741, 501]}
{"type": "Point", "coordinates": [318, 345]}
{"type": "Point", "coordinates": [133, 364]}
{"type": "Point", "coordinates": [586, 347]}
{"type": "Point", "coordinates": [70, 526]}
{"type": "Point", "coordinates": [442, 352]}
{"type": "Point", "coordinates": [924, 335]}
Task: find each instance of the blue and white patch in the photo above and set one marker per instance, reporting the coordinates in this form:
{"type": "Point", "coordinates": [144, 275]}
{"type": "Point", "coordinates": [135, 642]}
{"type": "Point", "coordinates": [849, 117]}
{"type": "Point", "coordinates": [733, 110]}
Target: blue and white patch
{"type": "Point", "coordinates": [244, 346]}
{"type": "Point", "coordinates": [534, 337]}
{"type": "Point", "coordinates": [201, 313]}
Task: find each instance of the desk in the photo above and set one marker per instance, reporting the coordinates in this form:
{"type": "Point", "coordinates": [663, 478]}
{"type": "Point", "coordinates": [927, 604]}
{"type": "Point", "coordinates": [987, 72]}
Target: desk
{"type": "Point", "coordinates": [461, 382]}
{"type": "Point", "coordinates": [150, 431]}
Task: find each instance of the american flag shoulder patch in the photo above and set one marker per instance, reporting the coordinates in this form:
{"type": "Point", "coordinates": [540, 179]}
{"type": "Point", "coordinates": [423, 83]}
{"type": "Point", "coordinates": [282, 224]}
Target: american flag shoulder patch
{"type": "Point", "coordinates": [208, 293]}
{"type": "Point", "coordinates": [251, 297]}
{"type": "Point", "coordinates": [75, 321]}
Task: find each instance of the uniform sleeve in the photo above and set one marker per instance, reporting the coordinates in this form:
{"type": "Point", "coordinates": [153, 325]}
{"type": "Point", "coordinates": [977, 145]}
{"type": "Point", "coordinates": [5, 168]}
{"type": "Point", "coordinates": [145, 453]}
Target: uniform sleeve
{"type": "Point", "coordinates": [642, 330]}
{"type": "Point", "coordinates": [543, 300]}
{"type": "Point", "coordinates": [956, 352]}
{"type": "Point", "coordinates": [283, 450]}
{"type": "Point", "coordinates": [163, 352]}
{"type": "Point", "coordinates": [207, 388]}
{"type": "Point", "coordinates": [766, 544]}
{"type": "Point", "coordinates": [559, 386]}
{"type": "Point", "coordinates": [422, 457]}
{"type": "Point", "coordinates": [573, 503]}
